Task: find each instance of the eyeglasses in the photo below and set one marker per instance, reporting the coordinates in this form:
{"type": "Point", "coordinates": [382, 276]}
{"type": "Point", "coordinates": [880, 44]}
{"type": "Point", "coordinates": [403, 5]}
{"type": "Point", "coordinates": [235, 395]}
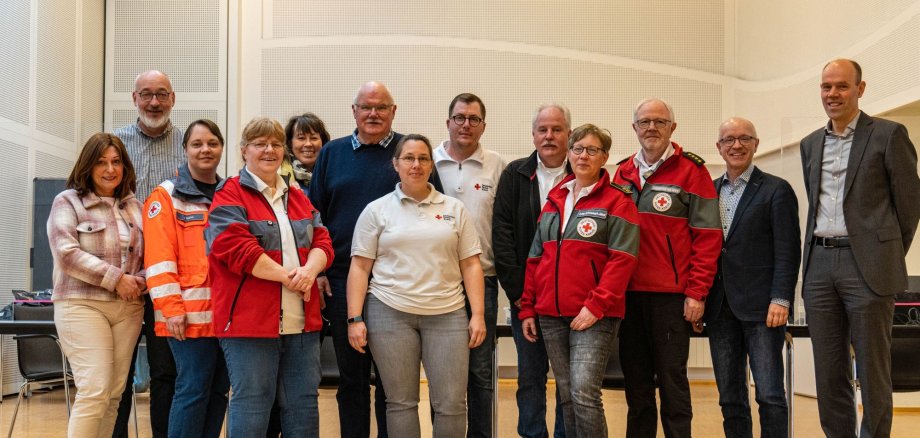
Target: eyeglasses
{"type": "Point", "coordinates": [423, 161]}
{"type": "Point", "coordinates": [264, 146]}
{"type": "Point", "coordinates": [745, 140]}
{"type": "Point", "coordinates": [148, 96]}
{"type": "Point", "coordinates": [659, 123]}
{"type": "Point", "coordinates": [577, 150]}
{"type": "Point", "coordinates": [381, 109]}
{"type": "Point", "coordinates": [460, 119]}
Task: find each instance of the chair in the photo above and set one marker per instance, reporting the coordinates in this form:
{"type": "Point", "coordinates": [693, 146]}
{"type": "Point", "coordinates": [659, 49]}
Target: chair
{"type": "Point", "coordinates": [41, 359]}
{"type": "Point", "coordinates": [328, 366]}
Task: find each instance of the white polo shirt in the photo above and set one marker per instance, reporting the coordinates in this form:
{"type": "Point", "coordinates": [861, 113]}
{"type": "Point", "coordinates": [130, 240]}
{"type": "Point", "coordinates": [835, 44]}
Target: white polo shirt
{"type": "Point", "coordinates": [474, 182]}
{"type": "Point", "coordinates": [416, 248]}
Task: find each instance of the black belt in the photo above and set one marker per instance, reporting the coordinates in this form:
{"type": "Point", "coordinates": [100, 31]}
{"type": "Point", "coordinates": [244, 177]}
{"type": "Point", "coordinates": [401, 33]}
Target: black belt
{"type": "Point", "coordinates": [831, 242]}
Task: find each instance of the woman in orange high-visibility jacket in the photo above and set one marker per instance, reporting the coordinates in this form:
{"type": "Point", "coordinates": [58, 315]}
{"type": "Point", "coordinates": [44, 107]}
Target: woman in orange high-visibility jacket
{"type": "Point", "coordinates": [174, 220]}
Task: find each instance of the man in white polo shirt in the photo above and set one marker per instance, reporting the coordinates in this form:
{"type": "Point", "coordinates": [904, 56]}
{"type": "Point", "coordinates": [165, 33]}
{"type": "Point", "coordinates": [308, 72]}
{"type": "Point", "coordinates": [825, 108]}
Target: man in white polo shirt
{"type": "Point", "coordinates": [470, 173]}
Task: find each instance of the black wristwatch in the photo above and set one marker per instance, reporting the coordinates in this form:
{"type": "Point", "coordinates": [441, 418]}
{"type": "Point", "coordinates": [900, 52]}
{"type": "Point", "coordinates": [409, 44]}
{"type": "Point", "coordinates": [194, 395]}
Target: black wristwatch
{"type": "Point", "coordinates": [355, 319]}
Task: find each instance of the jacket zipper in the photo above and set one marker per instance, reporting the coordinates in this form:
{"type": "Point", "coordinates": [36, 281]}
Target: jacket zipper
{"type": "Point", "coordinates": [671, 253]}
{"type": "Point", "coordinates": [281, 253]}
{"type": "Point", "coordinates": [558, 254]}
{"type": "Point", "coordinates": [236, 297]}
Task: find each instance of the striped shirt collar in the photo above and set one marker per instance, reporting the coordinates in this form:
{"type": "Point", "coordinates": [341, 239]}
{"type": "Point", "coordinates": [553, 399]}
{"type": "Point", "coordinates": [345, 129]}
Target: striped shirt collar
{"type": "Point", "coordinates": [137, 128]}
{"type": "Point", "coordinates": [355, 143]}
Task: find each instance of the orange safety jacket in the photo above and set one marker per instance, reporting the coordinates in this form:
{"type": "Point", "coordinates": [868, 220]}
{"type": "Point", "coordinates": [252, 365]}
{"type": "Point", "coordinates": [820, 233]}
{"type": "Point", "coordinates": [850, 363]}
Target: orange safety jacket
{"type": "Point", "coordinates": [175, 215]}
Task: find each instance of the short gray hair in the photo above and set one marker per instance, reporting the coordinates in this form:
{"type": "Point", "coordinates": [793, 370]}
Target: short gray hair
{"type": "Point", "coordinates": [650, 100]}
{"type": "Point", "coordinates": [561, 107]}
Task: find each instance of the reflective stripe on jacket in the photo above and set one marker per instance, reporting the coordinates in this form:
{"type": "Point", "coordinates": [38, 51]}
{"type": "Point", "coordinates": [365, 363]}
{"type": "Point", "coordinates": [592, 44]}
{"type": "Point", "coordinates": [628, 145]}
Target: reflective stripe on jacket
{"type": "Point", "coordinates": [175, 215]}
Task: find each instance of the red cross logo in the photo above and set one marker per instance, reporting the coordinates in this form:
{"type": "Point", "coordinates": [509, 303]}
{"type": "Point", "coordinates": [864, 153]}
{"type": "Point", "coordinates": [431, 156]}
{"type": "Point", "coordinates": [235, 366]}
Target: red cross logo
{"type": "Point", "coordinates": [154, 209]}
{"type": "Point", "coordinates": [438, 217]}
{"type": "Point", "coordinates": [586, 227]}
{"type": "Point", "coordinates": [477, 187]}
{"type": "Point", "coordinates": [661, 202]}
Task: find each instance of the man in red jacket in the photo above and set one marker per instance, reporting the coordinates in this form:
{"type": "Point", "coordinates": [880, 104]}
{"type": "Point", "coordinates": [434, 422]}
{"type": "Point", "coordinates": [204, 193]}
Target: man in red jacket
{"type": "Point", "coordinates": [679, 243]}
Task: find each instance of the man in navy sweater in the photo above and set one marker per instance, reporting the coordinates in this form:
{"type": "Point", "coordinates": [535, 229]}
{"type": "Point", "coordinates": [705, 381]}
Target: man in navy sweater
{"type": "Point", "coordinates": [350, 172]}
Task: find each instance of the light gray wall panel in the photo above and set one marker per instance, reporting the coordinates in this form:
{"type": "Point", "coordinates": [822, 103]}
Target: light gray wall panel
{"type": "Point", "coordinates": [56, 69]}
{"type": "Point", "coordinates": [178, 37]}
{"type": "Point", "coordinates": [15, 211]}
{"type": "Point", "coordinates": [14, 68]}
{"type": "Point", "coordinates": [686, 34]}
{"type": "Point", "coordinates": [92, 74]}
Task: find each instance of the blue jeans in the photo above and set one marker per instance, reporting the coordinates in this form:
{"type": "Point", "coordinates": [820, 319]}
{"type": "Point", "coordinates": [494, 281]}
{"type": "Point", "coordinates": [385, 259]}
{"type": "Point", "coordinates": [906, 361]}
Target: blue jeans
{"type": "Point", "coordinates": [579, 359]}
{"type": "Point", "coordinates": [732, 343]}
{"type": "Point", "coordinates": [200, 401]}
{"type": "Point", "coordinates": [401, 341]}
{"type": "Point", "coordinates": [264, 370]}
{"type": "Point", "coordinates": [479, 388]}
{"type": "Point", "coordinates": [533, 364]}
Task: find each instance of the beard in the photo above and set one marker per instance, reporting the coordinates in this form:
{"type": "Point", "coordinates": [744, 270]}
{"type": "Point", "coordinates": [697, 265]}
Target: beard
{"type": "Point", "coordinates": [153, 123]}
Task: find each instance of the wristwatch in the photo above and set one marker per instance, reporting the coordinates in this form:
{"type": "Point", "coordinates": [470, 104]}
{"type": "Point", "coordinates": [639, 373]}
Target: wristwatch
{"type": "Point", "coordinates": [355, 319]}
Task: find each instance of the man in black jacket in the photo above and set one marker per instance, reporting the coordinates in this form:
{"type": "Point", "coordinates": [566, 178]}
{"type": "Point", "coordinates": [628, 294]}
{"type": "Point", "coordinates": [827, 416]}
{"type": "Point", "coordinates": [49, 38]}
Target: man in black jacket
{"type": "Point", "coordinates": [522, 192]}
{"type": "Point", "coordinates": [749, 302]}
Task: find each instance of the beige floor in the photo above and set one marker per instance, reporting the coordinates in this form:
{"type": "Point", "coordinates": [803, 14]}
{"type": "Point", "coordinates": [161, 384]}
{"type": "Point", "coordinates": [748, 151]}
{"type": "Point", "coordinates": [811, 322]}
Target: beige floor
{"type": "Point", "coordinates": [44, 415]}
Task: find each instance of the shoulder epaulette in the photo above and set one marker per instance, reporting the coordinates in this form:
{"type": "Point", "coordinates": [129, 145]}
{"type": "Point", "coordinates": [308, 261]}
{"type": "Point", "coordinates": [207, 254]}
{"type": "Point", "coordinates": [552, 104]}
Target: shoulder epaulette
{"type": "Point", "coordinates": [624, 160]}
{"type": "Point", "coordinates": [696, 159]}
{"type": "Point", "coordinates": [621, 188]}
{"type": "Point", "coordinates": [220, 185]}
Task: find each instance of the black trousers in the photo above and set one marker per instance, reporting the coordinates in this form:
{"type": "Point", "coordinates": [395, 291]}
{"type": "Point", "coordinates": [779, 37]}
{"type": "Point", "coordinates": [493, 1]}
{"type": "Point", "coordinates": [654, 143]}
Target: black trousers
{"type": "Point", "coordinates": [654, 347]}
{"type": "Point", "coordinates": [162, 381]}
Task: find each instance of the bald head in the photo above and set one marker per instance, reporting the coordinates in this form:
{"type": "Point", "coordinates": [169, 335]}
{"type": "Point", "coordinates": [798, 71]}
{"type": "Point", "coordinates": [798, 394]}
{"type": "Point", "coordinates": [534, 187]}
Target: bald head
{"type": "Point", "coordinates": [738, 123]}
{"type": "Point", "coordinates": [374, 112]}
{"type": "Point", "coordinates": [737, 144]}
{"type": "Point", "coordinates": [151, 76]}
{"type": "Point", "coordinates": [373, 88]}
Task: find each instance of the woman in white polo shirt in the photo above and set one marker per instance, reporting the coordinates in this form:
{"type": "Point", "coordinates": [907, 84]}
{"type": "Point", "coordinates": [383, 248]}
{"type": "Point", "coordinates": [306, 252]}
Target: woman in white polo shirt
{"type": "Point", "coordinates": [423, 252]}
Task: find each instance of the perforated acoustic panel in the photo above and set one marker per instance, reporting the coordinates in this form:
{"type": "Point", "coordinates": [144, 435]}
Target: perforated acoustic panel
{"type": "Point", "coordinates": [423, 80]}
{"type": "Point", "coordinates": [179, 37]}
{"type": "Point", "coordinates": [179, 118]}
{"type": "Point", "coordinates": [52, 166]}
{"type": "Point", "coordinates": [56, 69]}
{"type": "Point", "coordinates": [893, 63]}
{"type": "Point", "coordinates": [14, 230]}
{"type": "Point", "coordinates": [686, 34]}
{"type": "Point", "coordinates": [14, 70]}
{"type": "Point", "coordinates": [92, 74]}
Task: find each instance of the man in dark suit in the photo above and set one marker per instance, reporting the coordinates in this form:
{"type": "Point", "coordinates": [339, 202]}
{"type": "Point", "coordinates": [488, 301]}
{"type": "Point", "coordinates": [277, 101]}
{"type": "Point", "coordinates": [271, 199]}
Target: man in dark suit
{"type": "Point", "coordinates": [749, 302]}
{"type": "Point", "coordinates": [862, 185]}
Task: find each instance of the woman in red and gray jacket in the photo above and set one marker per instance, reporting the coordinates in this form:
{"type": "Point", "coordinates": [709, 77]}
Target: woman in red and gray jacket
{"type": "Point", "coordinates": [266, 245]}
{"type": "Point", "coordinates": [581, 260]}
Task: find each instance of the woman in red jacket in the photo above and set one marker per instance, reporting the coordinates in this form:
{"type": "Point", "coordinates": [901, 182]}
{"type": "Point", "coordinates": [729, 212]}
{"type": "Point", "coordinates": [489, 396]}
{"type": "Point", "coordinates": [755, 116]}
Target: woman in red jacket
{"type": "Point", "coordinates": [581, 260]}
{"type": "Point", "coordinates": [266, 244]}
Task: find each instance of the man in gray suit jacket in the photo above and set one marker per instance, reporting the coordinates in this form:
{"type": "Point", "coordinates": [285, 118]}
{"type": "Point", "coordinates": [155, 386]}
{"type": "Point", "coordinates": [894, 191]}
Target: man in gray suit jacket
{"type": "Point", "coordinates": [748, 305]}
{"type": "Point", "coordinates": [862, 185]}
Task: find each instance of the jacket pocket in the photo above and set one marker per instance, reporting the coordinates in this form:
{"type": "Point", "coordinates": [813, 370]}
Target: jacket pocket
{"type": "Point", "coordinates": [671, 255]}
{"type": "Point", "coordinates": [597, 277]}
{"type": "Point", "coordinates": [888, 233]}
{"type": "Point", "coordinates": [91, 237]}
{"type": "Point", "coordinates": [192, 233]}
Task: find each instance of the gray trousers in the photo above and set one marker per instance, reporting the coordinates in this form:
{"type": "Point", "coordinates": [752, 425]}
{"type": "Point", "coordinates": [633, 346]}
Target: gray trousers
{"type": "Point", "coordinates": [399, 341]}
{"type": "Point", "coordinates": [842, 310]}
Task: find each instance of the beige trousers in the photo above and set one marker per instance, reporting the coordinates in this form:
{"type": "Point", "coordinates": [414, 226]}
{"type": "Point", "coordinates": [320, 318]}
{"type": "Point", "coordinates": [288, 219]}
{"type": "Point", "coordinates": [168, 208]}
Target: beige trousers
{"type": "Point", "coordinates": [98, 338]}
